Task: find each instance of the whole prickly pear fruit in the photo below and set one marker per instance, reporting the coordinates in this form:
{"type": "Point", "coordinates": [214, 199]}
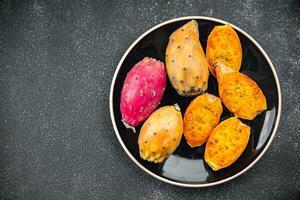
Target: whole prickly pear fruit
{"type": "Point", "coordinates": [226, 143]}
{"type": "Point", "coordinates": [200, 118]}
{"type": "Point", "coordinates": [187, 67]}
{"type": "Point", "coordinates": [223, 45]}
{"type": "Point", "coordinates": [160, 134]}
{"type": "Point", "coordinates": [239, 93]}
{"type": "Point", "coordinates": [142, 91]}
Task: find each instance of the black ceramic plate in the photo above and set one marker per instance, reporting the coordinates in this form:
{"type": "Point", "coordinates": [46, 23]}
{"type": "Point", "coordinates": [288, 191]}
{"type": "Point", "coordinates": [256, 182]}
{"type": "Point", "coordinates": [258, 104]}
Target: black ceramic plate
{"type": "Point", "coordinates": [186, 166]}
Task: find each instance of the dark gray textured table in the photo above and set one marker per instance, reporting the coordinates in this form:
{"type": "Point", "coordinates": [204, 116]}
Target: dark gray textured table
{"type": "Point", "coordinates": [56, 64]}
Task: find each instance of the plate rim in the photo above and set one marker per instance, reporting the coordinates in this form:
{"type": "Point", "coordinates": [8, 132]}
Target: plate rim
{"type": "Point", "coordinates": [192, 185]}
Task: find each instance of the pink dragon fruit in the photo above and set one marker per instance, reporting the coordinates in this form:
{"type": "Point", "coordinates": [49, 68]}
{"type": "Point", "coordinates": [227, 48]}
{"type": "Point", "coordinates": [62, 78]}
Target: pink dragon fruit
{"type": "Point", "coordinates": [142, 91]}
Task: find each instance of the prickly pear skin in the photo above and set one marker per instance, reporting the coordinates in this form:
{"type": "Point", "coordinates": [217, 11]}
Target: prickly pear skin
{"type": "Point", "coordinates": [160, 134]}
{"type": "Point", "coordinates": [240, 94]}
{"type": "Point", "coordinates": [223, 45]}
{"type": "Point", "coordinates": [226, 143]}
{"type": "Point", "coordinates": [142, 90]}
{"type": "Point", "coordinates": [200, 118]}
{"type": "Point", "coordinates": [186, 64]}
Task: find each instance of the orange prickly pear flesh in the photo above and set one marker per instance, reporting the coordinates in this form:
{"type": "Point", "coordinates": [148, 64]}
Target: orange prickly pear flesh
{"type": "Point", "coordinates": [200, 118]}
{"type": "Point", "coordinates": [226, 143]}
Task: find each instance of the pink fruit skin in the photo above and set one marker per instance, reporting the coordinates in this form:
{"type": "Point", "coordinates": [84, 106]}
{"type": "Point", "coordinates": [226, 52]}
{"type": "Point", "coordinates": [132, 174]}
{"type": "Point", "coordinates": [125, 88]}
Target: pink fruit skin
{"type": "Point", "coordinates": [142, 90]}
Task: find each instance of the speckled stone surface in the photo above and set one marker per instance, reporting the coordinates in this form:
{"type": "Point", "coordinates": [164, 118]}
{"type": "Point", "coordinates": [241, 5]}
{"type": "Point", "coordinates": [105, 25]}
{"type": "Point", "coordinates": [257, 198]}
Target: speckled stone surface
{"type": "Point", "coordinates": [57, 60]}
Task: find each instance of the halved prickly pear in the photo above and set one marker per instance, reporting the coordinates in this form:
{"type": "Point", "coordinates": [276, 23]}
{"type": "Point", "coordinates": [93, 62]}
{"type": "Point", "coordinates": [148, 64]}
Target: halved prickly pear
{"type": "Point", "coordinates": [186, 64]}
{"type": "Point", "coordinates": [223, 45]}
{"type": "Point", "coordinates": [160, 134]}
{"type": "Point", "coordinates": [226, 143]}
{"type": "Point", "coordinates": [200, 118]}
{"type": "Point", "coordinates": [239, 93]}
{"type": "Point", "coordinates": [142, 91]}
